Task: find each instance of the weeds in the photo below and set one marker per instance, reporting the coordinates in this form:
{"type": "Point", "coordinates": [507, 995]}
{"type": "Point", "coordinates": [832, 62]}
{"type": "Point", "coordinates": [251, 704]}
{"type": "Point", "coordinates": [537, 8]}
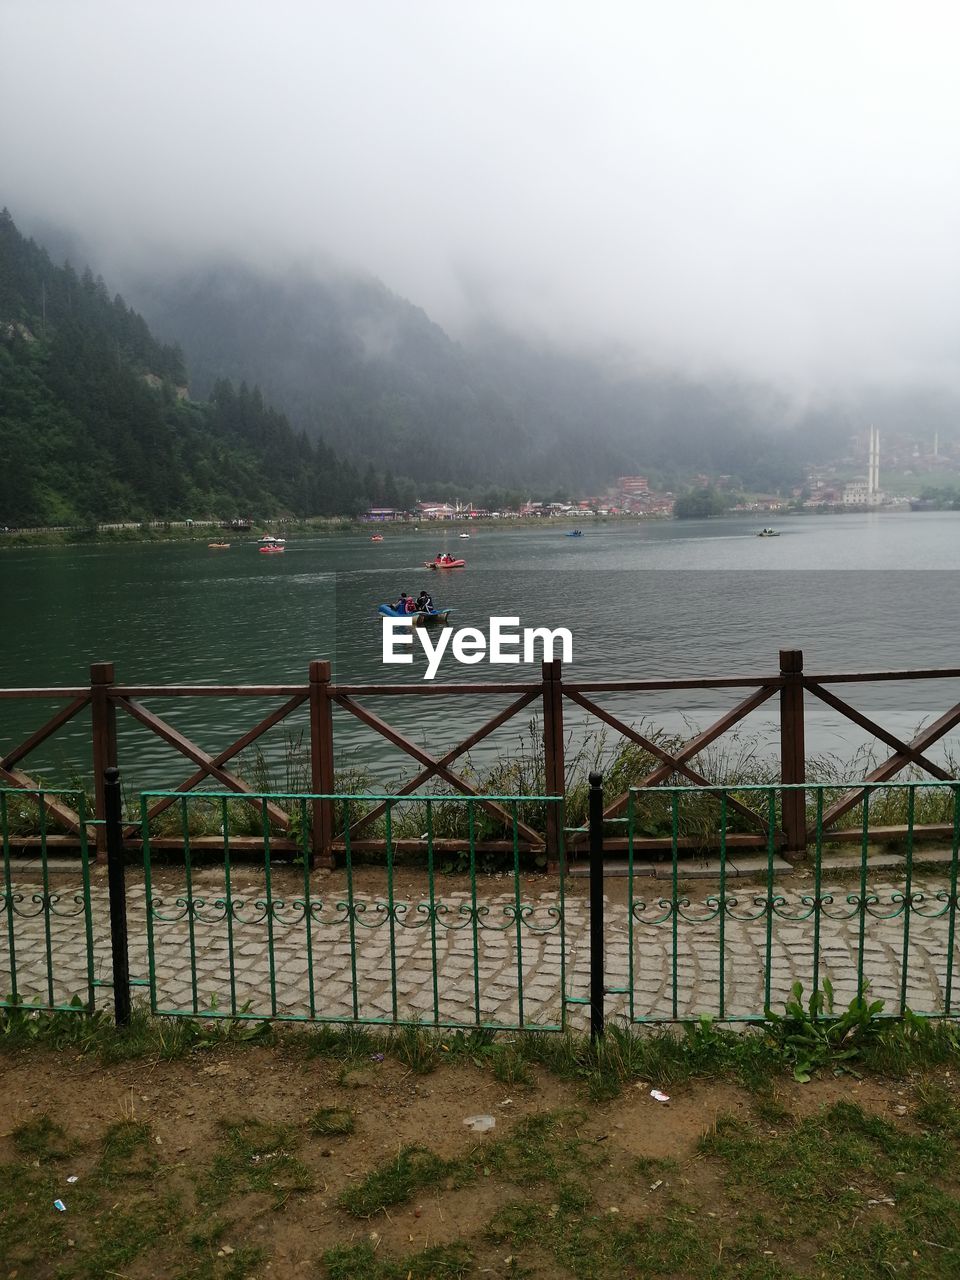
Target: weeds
{"type": "Point", "coordinates": [809, 1037]}
{"type": "Point", "coordinates": [416, 1049]}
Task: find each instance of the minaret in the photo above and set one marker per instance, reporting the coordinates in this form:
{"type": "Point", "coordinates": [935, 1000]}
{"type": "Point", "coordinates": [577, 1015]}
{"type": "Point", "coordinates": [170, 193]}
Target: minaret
{"type": "Point", "coordinates": [873, 465]}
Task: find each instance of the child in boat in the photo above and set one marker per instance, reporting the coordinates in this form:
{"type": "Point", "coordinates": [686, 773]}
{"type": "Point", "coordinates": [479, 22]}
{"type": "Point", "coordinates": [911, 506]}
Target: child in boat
{"type": "Point", "coordinates": [405, 604]}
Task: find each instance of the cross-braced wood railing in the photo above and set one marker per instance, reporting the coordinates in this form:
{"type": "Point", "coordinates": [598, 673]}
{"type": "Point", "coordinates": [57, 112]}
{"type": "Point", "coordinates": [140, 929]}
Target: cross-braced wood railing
{"type": "Point", "coordinates": [548, 697]}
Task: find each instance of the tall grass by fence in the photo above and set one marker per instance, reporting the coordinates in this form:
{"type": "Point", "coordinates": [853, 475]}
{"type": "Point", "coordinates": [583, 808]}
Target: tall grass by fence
{"type": "Point", "coordinates": [645, 757]}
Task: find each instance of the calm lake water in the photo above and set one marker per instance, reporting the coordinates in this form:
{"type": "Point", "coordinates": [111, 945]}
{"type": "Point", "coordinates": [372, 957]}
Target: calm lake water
{"type": "Point", "coordinates": [856, 592]}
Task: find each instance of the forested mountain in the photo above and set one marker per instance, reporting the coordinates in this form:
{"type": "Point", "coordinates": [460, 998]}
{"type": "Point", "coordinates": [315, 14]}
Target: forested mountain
{"type": "Point", "coordinates": [95, 423]}
{"type": "Point", "coordinates": [349, 360]}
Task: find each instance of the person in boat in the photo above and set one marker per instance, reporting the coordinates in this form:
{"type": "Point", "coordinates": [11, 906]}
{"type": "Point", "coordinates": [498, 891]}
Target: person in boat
{"type": "Point", "coordinates": [425, 602]}
{"type": "Point", "coordinates": [405, 604]}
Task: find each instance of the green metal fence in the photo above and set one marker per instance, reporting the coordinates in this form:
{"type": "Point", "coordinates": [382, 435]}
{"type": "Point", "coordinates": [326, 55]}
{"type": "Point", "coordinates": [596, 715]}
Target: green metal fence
{"type": "Point", "coordinates": [411, 939]}
{"type": "Point", "coordinates": [47, 958]}
{"type": "Point", "coordinates": [732, 942]}
{"type": "Point", "coordinates": [428, 933]}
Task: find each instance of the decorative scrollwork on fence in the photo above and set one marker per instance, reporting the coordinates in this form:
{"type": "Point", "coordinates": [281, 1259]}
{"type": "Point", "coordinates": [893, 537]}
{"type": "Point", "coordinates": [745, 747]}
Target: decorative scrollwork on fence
{"type": "Point", "coordinates": [40, 904]}
{"type": "Point", "coordinates": [929, 903]}
{"type": "Point", "coordinates": [535, 919]}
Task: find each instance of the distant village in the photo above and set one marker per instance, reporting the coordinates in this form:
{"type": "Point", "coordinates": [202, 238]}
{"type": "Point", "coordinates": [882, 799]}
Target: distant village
{"type": "Point", "coordinates": [850, 483]}
{"type": "Point", "coordinates": [632, 495]}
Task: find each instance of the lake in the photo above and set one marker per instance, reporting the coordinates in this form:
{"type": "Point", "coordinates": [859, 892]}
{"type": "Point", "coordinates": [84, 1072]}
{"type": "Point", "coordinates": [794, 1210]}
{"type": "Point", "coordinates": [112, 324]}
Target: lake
{"type": "Point", "coordinates": [855, 592]}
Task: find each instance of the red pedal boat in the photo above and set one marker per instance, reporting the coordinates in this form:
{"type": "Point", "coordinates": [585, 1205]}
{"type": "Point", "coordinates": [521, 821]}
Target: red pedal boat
{"type": "Point", "coordinates": [445, 562]}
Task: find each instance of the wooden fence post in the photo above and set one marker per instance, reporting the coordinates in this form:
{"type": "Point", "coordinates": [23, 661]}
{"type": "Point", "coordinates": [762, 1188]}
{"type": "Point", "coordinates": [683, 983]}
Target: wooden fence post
{"type": "Point", "coordinates": [793, 763]}
{"type": "Point", "coordinates": [321, 763]}
{"type": "Point", "coordinates": [103, 715]}
{"type": "Point", "coordinates": [555, 770]}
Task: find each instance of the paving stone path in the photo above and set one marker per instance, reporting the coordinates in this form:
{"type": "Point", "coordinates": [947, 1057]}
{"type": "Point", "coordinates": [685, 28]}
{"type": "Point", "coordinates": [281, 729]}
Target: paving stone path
{"type": "Point", "coordinates": [294, 963]}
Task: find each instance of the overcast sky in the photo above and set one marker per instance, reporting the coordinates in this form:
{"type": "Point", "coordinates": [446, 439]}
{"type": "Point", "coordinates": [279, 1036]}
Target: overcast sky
{"type": "Point", "coordinates": [768, 186]}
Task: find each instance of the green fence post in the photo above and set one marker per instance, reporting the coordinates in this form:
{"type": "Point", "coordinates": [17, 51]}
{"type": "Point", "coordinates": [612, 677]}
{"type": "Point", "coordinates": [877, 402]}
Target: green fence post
{"type": "Point", "coordinates": [596, 908]}
{"type": "Point", "coordinates": [118, 896]}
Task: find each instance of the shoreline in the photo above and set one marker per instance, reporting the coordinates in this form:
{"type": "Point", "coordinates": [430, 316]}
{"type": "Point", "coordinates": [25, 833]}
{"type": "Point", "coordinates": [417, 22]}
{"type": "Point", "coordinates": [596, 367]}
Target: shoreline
{"type": "Point", "coordinates": [342, 527]}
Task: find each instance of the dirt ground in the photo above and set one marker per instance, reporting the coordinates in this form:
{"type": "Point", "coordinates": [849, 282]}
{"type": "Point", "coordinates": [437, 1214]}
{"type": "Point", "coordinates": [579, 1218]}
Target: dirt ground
{"type": "Point", "coordinates": [186, 1103]}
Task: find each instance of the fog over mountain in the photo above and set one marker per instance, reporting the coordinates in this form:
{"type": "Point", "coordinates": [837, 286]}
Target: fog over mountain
{"type": "Point", "coordinates": [744, 192]}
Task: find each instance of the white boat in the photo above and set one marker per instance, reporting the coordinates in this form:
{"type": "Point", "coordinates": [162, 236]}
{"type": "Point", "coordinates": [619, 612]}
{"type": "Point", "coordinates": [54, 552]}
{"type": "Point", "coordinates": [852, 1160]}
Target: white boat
{"type": "Point", "coordinates": [464, 535]}
{"type": "Point", "coordinates": [268, 540]}
{"type": "Point", "coordinates": [768, 533]}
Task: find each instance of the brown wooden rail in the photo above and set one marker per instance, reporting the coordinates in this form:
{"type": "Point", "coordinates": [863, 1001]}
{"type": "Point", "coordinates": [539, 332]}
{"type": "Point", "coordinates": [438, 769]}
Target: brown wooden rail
{"type": "Point", "coordinates": [789, 684]}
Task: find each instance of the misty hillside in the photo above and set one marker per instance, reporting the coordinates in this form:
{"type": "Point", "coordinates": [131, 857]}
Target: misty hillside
{"type": "Point", "coordinates": [95, 424]}
{"type": "Point", "coordinates": [347, 359]}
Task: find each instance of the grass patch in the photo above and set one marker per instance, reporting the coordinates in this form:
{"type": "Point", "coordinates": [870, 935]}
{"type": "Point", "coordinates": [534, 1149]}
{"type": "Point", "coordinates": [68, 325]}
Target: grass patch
{"type": "Point", "coordinates": [255, 1156]}
{"type": "Point", "coordinates": [777, 1191]}
{"type": "Point", "coordinates": [126, 1153]}
{"type": "Point", "coordinates": [806, 1039]}
{"type": "Point", "coordinates": [209, 1261]}
{"type": "Point", "coordinates": [360, 1262]}
{"type": "Point", "coordinates": [541, 1148]}
{"type": "Point", "coordinates": [417, 1049]}
{"type": "Point", "coordinates": [413, 1169]}
{"type": "Point", "coordinates": [881, 1194]}
{"type": "Point", "coordinates": [593, 1244]}
{"type": "Point", "coordinates": [331, 1122]}
{"type": "Point", "coordinates": [42, 1139]}
{"type": "Point", "coordinates": [97, 1035]}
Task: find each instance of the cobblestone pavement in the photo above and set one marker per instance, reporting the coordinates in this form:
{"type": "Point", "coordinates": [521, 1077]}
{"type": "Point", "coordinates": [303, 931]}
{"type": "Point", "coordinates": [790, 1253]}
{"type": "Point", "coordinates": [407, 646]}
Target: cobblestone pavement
{"type": "Point", "coordinates": [292, 963]}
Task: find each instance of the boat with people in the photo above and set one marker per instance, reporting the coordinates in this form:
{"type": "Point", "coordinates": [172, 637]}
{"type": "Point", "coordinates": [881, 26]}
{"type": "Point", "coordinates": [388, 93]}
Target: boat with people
{"type": "Point", "coordinates": [768, 533]}
{"type": "Point", "coordinates": [377, 537]}
{"type": "Point", "coordinates": [272, 549]}
{"type": "Point", "coordinates": [444, 561]}
{"type": "Point", "coordinates": [268, 540]}
{"type": "Point", "coordinates": [218, 546]}
{"type": "Point", "coordinates": [574, 533]}
{"type": "Point", "coordinates": [421, 617]}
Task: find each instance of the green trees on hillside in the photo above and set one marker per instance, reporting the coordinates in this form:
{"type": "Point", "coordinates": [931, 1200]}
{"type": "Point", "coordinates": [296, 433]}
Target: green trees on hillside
{"type": "Point", "coordinates": [94, 426]}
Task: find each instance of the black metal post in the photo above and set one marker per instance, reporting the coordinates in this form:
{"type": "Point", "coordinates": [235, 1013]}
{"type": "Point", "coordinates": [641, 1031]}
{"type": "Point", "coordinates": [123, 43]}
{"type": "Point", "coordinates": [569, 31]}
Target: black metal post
{"type": "Point", "coordinates": [597, 991]}
{"type": "Point", "coordinates": [118, 895]}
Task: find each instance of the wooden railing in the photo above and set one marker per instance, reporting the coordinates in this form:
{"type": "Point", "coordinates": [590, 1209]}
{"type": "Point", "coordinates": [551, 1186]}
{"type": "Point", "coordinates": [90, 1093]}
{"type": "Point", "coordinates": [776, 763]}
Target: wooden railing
{"type": "Point", "coordinates": [549, 695]}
